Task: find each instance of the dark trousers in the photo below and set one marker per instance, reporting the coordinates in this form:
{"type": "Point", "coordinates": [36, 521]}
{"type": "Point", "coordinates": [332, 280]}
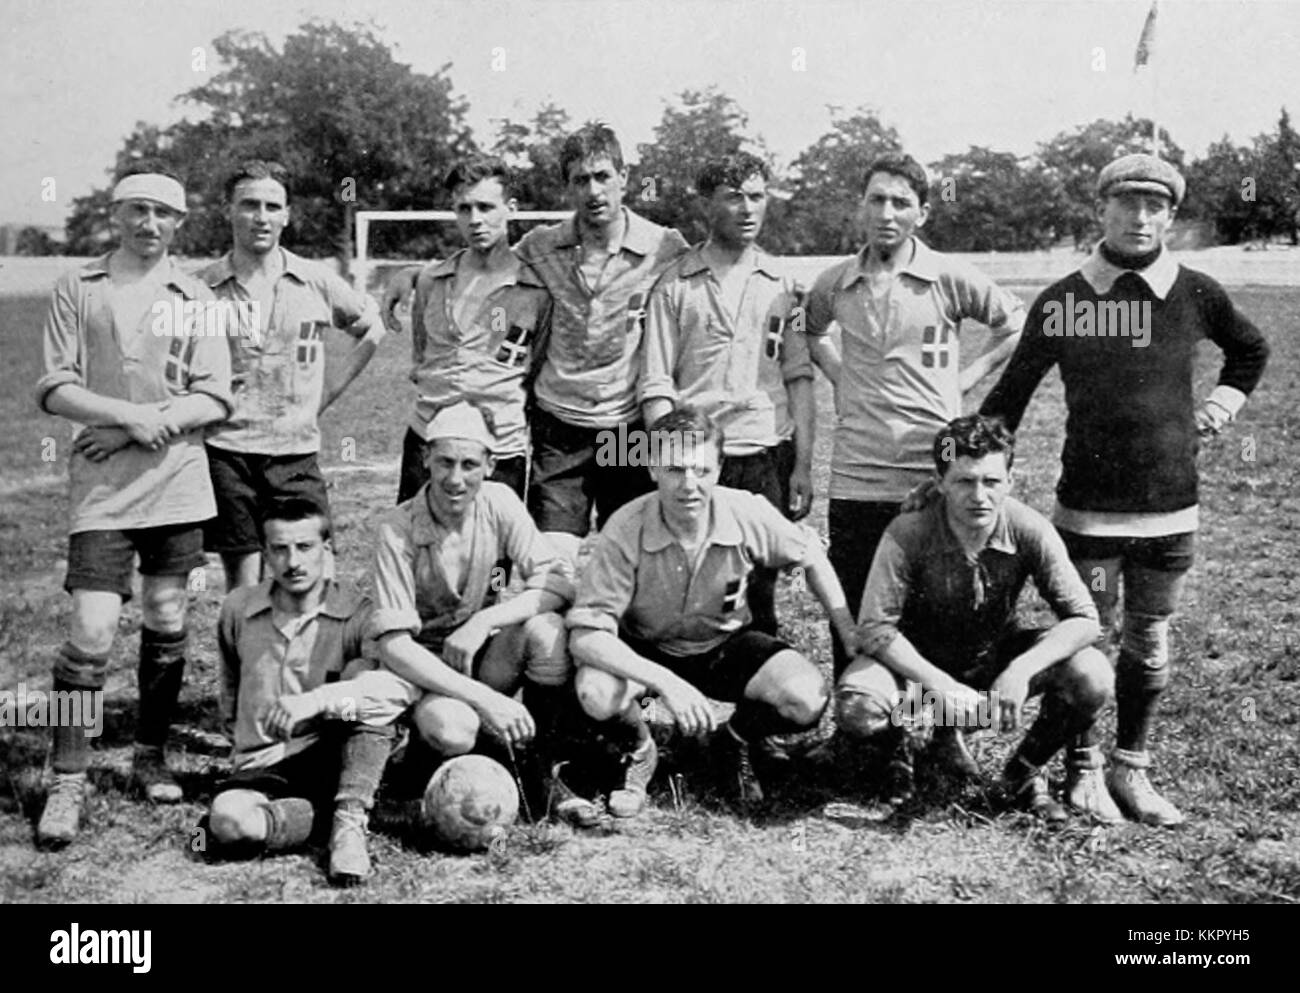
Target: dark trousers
{"type": "Point", "coordinates": [766, 473]}
{"type": "Point", "coordinates": [855, 527]}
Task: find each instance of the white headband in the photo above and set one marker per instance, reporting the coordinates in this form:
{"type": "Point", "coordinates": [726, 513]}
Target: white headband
{"type": "Point", "coordinates": [151, 186]}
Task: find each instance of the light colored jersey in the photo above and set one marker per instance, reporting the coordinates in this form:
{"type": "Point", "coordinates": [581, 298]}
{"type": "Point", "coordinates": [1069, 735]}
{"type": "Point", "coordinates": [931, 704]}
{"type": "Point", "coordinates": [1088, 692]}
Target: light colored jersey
{"type": "Point", "coordinates": [279, 375]}
{"type": "Point", "coordinates": [639, 579]}
{"type": "Point", "coordinates": [134, 487]}
{"type": "Point", "coordinates": [733, 366]}
{"type": "Point", "coordinates": [592, 362]}
{"type": "Point", "coordinates": [899, 382]}
{"type": "Point", "coordinates": [410, 587]}
{"type": "Point", "coordinates": [488, 359]}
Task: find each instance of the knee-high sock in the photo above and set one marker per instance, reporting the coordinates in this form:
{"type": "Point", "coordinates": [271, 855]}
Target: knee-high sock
{"type": "Point", "coordinates": [162, 666]}
{"type": "Point", "coordinates": [75, 671]}
{"type": "Point", "coordinates": [754, 719]}
{"type": "Point", "coordinates": [363, 754]}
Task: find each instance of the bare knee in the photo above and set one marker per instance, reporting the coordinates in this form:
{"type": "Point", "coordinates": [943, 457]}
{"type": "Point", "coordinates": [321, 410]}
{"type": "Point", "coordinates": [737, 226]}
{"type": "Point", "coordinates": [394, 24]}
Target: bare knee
{"type": "Point", "coordinates": [162, 603]}
{"type": "Point", "coordinates": [1090, 683]}
{"type": "Point", "coordinates": [602, 695]}
{"type": "Point", "coordinates": [448, 726]}
{"type": "Point", "coordinates": [803, 698]}
{"type": "Point", "coordinates": [237, 816]}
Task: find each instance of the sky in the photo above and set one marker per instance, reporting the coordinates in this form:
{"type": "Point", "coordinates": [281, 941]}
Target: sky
{"type": "Point", "coordinates": [77, 75]}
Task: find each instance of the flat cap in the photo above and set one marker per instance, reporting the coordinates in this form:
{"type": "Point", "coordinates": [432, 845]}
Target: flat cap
{"type": "Point", "coordinates": [1142, 173]}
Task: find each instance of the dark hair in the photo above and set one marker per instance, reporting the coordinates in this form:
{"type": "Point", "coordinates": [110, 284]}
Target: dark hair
{"type": "Point", "coordinates": [257, 169]}
{"type": "Point", "coordinates": [730, 170]}
{"type": "Point", "coordinates": [684, 427]}
{"type": "Point", "coordinates": [974, 436]}
{"type": "Point", "coordinates": [476, 168]}
{"type": "Point", "coordinates": [591, 141]}
{"type": "Point", "coordinates": [297, 509]}
{"type": "Point", "coordinates": [899, 164]}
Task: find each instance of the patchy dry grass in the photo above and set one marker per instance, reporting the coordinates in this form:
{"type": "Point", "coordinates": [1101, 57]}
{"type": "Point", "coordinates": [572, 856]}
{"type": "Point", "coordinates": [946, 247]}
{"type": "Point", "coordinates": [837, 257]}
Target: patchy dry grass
{"type": "Point", "coordinates": [1227, 738]}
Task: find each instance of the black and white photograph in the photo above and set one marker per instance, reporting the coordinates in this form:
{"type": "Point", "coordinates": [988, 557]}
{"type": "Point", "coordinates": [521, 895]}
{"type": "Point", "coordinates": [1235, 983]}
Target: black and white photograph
{"type": "Point", "coordinates": [651, 452]}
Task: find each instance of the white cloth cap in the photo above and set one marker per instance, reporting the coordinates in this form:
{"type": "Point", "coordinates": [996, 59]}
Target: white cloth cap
{"type": "Point", "coordinates": [460, 420]}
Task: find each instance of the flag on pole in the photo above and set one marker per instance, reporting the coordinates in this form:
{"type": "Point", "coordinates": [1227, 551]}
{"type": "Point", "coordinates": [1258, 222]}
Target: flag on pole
{"type": "Point", "coordinates": [1147, 43]}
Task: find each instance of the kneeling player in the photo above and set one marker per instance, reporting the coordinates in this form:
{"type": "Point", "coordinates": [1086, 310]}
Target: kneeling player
{"type": "Point", "coordinates": [936, 613]}
{"type": "Point", "coordinates": [662, 611]}
{"type": "Point", "coordinates": [441, 561]}
{"type": "Point", "coordinates": [284, 645]}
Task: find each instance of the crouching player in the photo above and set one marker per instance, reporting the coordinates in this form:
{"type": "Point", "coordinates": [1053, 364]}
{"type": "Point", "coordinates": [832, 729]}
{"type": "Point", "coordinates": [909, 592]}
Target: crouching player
{"type": "Point", "coordinates": [662, 611]}
{"type": "Point", "coordinates": [441, 562]}
{"type": "Point", "coordinates": [288, 647]}
{"type": "Point", "coordinates": [937, 613]}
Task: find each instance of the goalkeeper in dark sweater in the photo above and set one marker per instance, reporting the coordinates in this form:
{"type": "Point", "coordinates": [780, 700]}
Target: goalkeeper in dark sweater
{"type": "Point", "coordinates": [1124, 329]}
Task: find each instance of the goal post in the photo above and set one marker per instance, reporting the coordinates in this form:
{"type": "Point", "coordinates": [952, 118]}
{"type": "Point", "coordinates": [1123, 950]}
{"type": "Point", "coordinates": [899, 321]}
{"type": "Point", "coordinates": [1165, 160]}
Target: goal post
{"type": "Point", "coordinates": [361, 262]}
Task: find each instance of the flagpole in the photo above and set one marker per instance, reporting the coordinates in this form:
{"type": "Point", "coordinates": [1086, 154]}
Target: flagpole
{"type": "Point", "coordinates": [1142, 59]}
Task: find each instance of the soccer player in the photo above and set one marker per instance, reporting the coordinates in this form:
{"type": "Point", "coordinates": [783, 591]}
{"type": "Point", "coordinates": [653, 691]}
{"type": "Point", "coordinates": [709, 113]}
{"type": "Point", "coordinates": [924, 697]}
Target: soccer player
{"type": "Point", "coordinates": [1123, 330]}
{"type": "Point", "coordinates": [939, 612]}
{"type": "Point", "coordinates": [292, 653]}
{"type": "Point", "coordinates": [268, 448]}
{"type": "Point", "coordinates": [900, 307]}
{"type": "Point", "coordinates": [721, 337]}
{"type": "Point", "coordinates": [139, 389]}
{"type": "Point", "coordinates": [599, 266]}
{"type": "Point", "coordinates": [662, 612]}
{"type": "Point", "coordinates": [479, 322]}
{"type": "Point", "coordinates": [439, 620]}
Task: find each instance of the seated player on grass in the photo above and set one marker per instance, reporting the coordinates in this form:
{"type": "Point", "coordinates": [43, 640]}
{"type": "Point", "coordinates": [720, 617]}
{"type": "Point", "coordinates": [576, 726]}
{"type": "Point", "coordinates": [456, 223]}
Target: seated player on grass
{"type": "Point", "coordinates": [284, 645]}
{"type": "Point", "coordinates": [440, 564]}
{"type": "Point", "coordinates": [662, 611]}
{"type": "Point", "coordinates": [939, 611]}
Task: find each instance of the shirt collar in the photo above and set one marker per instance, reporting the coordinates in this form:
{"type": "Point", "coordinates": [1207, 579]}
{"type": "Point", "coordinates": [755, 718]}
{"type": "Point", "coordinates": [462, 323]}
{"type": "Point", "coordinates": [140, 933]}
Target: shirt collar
{"type": "Point", "coordinates": [640, 237]}
{"type": "Point", "coordinates": [724, 529]}
{"type": "Point", "coordinates": [1000, 540]}
{"type": "Point", "coordinates": [694, 263]}
{"type": "Point", "coordinates": [923, 265]}
{"type": "Point", "coordinates": [423, 526]}
{"type": "Point", "coordinates": [1159, 275]}
{"type": "Point", "coordinates": [519, 273]}
{"type": "Point", "coordinates": [295, 266]}
{"type": "Point", "coordinates": [338, 603]}
{"type": "Point", "coordinates": [174, 277]}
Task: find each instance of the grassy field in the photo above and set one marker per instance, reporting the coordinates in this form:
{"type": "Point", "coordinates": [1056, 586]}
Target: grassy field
{"type": "Point", "coordinates": [1227, 740]}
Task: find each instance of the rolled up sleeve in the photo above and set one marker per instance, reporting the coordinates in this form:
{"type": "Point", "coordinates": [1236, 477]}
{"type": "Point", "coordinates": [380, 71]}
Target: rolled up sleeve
{"type": "Point", "coordinates": [62, 342]}
{"type": "Point", "coordinates": [774, 541]}
{"type": "Point", "coordinates": [659, 350]}
{"type": "Point", "coordinates": [540, 566]}
{"type": "Point", "coordinates": [888, 585]}
{"type": "Point", "coordinates": [393, 581]}
{"type": "Point", "coordinates": [796, 360]}
{"type": "Point", "coordinates": [210, 371]}
{"type": "Point", "coordinates": [608, 584]}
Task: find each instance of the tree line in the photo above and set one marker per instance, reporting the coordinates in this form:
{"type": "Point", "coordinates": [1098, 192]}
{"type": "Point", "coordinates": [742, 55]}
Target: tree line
{"type": "Point", "coordinates": [359, 130]}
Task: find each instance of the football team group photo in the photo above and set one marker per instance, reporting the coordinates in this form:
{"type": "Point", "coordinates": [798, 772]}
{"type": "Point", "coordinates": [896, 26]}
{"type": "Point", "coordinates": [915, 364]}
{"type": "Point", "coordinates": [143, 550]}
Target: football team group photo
{"type": "Point", "coordinates": [655, 515]}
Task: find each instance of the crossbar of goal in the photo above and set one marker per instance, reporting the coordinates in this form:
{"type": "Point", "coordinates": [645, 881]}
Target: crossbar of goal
{"type": "Point", "coordinates": [364, 218]}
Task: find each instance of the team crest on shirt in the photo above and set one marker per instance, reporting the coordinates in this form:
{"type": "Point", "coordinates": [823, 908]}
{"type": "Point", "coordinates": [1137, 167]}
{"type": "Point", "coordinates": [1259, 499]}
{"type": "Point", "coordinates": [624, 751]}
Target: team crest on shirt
{"type": "Point", "coordinates": [310, 336]}
{"type": "Point", "coordinates": [514, 347]}
{"type": "Point", "coordinates": [635, 312]}
{"type": "Point", "coordinates": [772, 339]}
{"type": "Point", "coordinates": [734, 595]}
{"type": "Point", "coordinates": [936, 348]}
{"type": "Point", "coordinates": [180, 355]}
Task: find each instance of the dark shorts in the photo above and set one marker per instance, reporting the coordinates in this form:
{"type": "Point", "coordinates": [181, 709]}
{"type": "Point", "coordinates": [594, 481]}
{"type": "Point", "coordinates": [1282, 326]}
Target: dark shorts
{"type": "Point", "coordinates": [723, 673]}
{"type": "Point", "coordinates": [1167, 553]}
{"type": "Point", "coordinates": [766, 473]}
{"type": "Point", "coordinates": [105, 560]}
{"type": "Point", "coordinates": [568, 480]}
{"type": "Point", "coordinates": [245, 484]}
{"type": "Point", "coordinates": [512, 471]}
{"type": "Point", "coordinates": [312, 774]}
